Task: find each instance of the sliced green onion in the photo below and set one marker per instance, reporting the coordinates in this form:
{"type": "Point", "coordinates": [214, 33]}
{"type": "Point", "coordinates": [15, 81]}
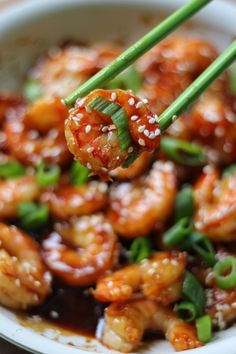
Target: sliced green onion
{"type": "Point", "coordinates": [184, 204]}
{"type": "Point", "coordinates": [194, 292]}
{"type": "Point", "coordinates": [225, 273]}
{"type": "Point", "coordinates": [232, 79]}
{"type": "Point", "coordinates": [118, 116]}
{"type": "Point", "coordinates": [79, 174]}
{"type": "Point", "coordinates": [201, 245]}
{"type": "Point", "coordinates": [130, 160]}
{"type": "Point", "coordinates": [140, 249]}
{"type": "Point", "coordinates": [177, 232]}
{"type": "Point", "coordinates": [229, 171]}
{"type": "Point", "coordinates": [47, 175]}
{"type": "Point", "coordinates": [204, 328]}
{"type": "Point", "coordinates": [32, 216]}
{"type": "Point", "coordinates": [32, 90]}
{"type": "Point", "coordinates": [11, 169]}
{"type": "Point", "coordinates": [182, 151]}
{"type": "Point", "coordinates": [186, 311]}
{"type": "Point", "coordinates": [129, 79]}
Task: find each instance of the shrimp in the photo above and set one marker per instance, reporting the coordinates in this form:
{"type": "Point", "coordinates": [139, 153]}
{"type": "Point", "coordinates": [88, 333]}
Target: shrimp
{"type": "Point", "coordinates": [81, 251]}
{"type": "Point", "coordinates": [36, 133]}
{"type": "Point", "coordinates": [14, 191]}
{"type": "Point", "coordinates": [159, 278]}
{"type": "Point", "coordinates": [92, 137]}
{"type": "Point", "coordinates": [135, 207]}
{"type": "Point", "coordinates": [170, 67]}
{"type": "Point", "coordinates": [135, 169]}
{"type": "Point", "coordinates": [126, 323]}
{"type": "Point", "coordinates": [215, 201]}
{"type": "Point", "coordinates": [67, 200]}
{"type": "Point", "coordinates": [212, 122]}
{"type": "Point", "coordinates": [24, 280]}
{"type": "Point", "coordinates": [66, 68]}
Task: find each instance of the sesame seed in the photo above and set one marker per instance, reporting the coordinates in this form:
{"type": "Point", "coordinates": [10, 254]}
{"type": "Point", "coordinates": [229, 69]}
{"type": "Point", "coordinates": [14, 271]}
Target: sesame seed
{"type": "Point", "coordinates": [80, 115]}
{"type": "Point", "coordinates": [54, 314]}
{"type": "Point", "coordinates": [141, 128]}
{"type": "Point", "coordinates": [152, 120]}
{"type": "Point", "coordinates": [116, 291]}
{"type": "Point", "coordinates": [145, 101]}
{"type": "Point", "coordinates": [89, 165]}
{"type": "Point", "coordinates": [113, 96]}
{"type": "Point", "coordinates": [90, 149]}
{"type": "Point", "coordinates": [174, 118]}
{"type": "Point", "coordinates": [110, 284]}
{"type": "Point", "coordinates": [165, 261]}
{"type": "Point", "coordinates": [131, 101]}
{"type": "Point", "coordinates": [139, 104]}
{"type": "Point", "coordinates": [146, 132]}
{"type": "Point", "coordinates": [141, 142]}
{"type": "Point", "coordinates": [157, 132]}
{"type": "Point", "coordinates": [88, 110]}
{"type": "Point", "coordinates": [134, 118]}
{"type": "Point", "coordinates": [130, 149]}
{"type": "Point", "coordinates": [105, 129]}
{"type": "Point", "coordinates": [17, 282]}
{"type": "Point", "coordinates": [152, 136]}
{"type": "Point", "coordinates": [88, 128]}
{"type": "Point", "coordinates": [233, 305]}
{"type": "Point", "coordinates": [174, 262]}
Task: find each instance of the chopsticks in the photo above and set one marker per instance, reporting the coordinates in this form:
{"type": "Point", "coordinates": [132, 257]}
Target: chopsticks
{"type": "Point", "coordinates": [147, 42]}
{"type": "Point", "coordinates": [137, 50]}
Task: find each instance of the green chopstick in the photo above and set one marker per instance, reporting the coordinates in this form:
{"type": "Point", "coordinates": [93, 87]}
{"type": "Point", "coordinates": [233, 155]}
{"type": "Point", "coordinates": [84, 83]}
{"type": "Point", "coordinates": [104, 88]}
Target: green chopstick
{"type": "Point", "coordinates": [198, 86]}
{"type": "Point", "coordinates": [137, 50]}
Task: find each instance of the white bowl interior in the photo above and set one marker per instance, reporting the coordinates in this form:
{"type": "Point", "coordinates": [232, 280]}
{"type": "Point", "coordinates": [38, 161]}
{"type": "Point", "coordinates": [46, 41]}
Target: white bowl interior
{"type": "Point", "coordinates": [27, 31]}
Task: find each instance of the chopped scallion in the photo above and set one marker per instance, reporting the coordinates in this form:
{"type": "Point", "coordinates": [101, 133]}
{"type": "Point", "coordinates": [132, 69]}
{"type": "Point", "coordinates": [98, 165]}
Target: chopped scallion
{"type": "Point", "coordinates": [232, 79]}
{"type": "Point", "coordinates": [225, 273]}
{"type": "Point", "coordinates": [178, 232]}
{"type": "Point", "coordinates": [32, 216]}
{"type": "Point", "coordinates": [11, 169]}
{"type": "Point", "coordinates": [140, 249]}
{"type": "Point", "coordinates": [32, 90]}
{"type": "Point", "coordinates": [204, 328]}
{"type": "Point", "coordinates": [130, 79]}
{"type": "Point", "coordinates": [229, 171]}
{"type": "Point", "coordinates": [130, 160]}
{"type": "Point", "coordinates": [186, 311]}
{"type": "Point", "coordinates": [118, 116]}
{"type": "Point", "coordinates": [47, 175]}
{"type": "Point", "coordinates": [194, 292]}
{"type": "Point", "coordinates": [182, 151]}
{"type": "Point", "coordinates": [79, 174]}
{"type": "Point", "coordinates": [184, 204]}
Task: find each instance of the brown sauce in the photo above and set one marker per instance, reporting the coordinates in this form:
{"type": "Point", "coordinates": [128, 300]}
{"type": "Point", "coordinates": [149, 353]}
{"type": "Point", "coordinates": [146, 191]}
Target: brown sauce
{"type": "Point", "coordinates": [71, 309]}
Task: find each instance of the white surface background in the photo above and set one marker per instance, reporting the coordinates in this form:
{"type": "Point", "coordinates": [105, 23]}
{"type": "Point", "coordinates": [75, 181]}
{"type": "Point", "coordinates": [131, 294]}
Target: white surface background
{"type": "Point", "coordinates": [5, 347]}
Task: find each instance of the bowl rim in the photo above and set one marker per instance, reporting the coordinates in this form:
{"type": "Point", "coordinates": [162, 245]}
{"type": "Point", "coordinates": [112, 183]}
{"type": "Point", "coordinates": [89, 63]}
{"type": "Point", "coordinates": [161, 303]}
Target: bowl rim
{"type": "Point", "coordinates": [12, 17]}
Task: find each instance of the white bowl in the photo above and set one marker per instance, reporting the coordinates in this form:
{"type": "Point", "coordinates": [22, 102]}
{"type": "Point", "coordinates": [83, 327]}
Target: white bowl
{"type": "Point", "coordinates": [26, 31]}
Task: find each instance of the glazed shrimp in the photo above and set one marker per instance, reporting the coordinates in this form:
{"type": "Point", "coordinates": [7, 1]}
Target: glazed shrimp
{"type": "Point", "coordinates": [215, 201]}
{"type": "Point", "coordinates": [81, 251]}
{"type": "Point", "coordinates": [37, 134]}
{"type": "Point", "coordinates": [159, 278]}
{"type": "Point", "coordinates": [92, 137]}
{"type": "Point", "coordinates": [14, 191]}
{"type": "Point", "coordinates": [24, 280]}
{"type": "Point", "coordinates": [135, 207]}
{"type": "Point", "coordinates": [126, 323]}
{"type": "Point", "coordinates": [67, 200]}
{"type": "Point", "coordinates": [170, 67]}
{"type": "Point", "coordinates": [65, 68]}
{"type": "Point", "coordinates": [137, 168]}
{"type": "Point", "coordinates": [212, 122]}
